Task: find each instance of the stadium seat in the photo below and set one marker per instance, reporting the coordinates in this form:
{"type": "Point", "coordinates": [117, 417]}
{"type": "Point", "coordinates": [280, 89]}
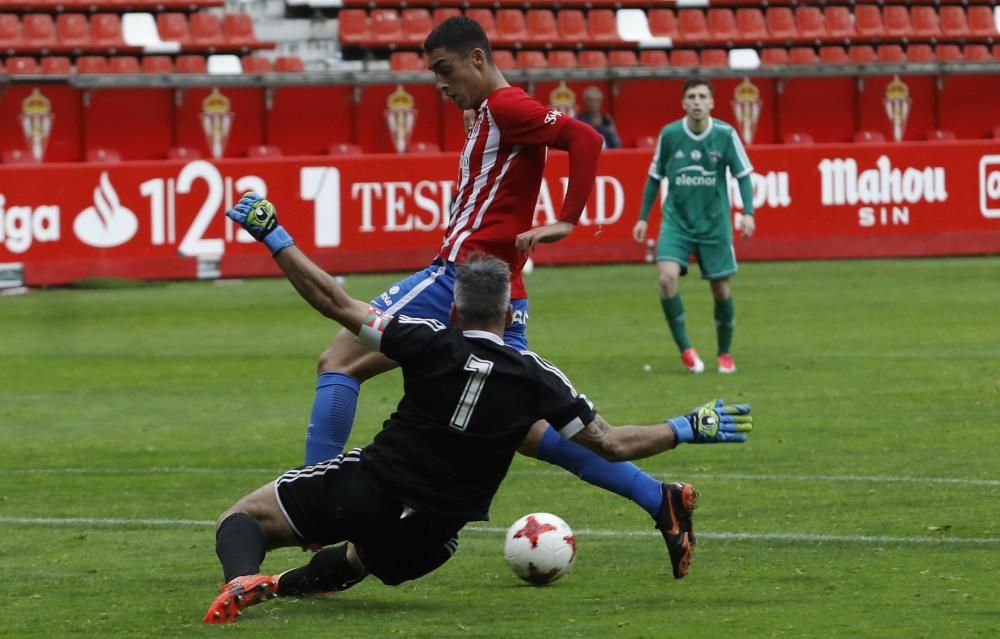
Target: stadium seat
{"type": "Point", "coordinates": [714, 58]}
{"type": "Point", "coordinates": [645, 142]}
{"type": "Point", "coordinates": [102, 155]}
{"type": "Point", "coordinates": [91, 64]}
{"type": "Point", "coordinates": [486, 20]}
{"type": "Point", "coordinates": [74, 30]}
{"type": "Point", "coordinates": [622, 58]}
{"type": "Point", "coordinates": [223, 64]}
{"type": "Point", "coordinates": [953, 22]}
{"type": "Point", "coordinates": [869, 137]}
{"type": "Point", "coordinates": [443, 13]}
{"type": "Point", "coordinates": [263, 151]}
{"type": "Point", "coordinates": [654, 58]}
{"type": "Point", "coordinates": [974, 53]}
{"type": "Point", "coordinates": [809, 23]}
{"type": "Point", "coordinates": [38, 31]}
{"type": "Point", "coordinates": [190, 64]}
{"type": "Point", "coordinates": [289, 64]}
{"type": "Point", "coordinates": [797, 138]}
{"type": "Point", "coordinates": [423, 147]}
{"type": "Point", "coordinates": [925, 22]}
{"type": "Point", "coordinates": [541, 26]}
{"type": "Point", "coordinates": [861, 54]}
{"type": "Point", "coordinates": [773, 57]}
{"type": "Point", "coordinates": [504, 59]}
{"type": "Point", "coordinates": [124, 64]}
{"type": "Point", "coordinates": [890, 53]}
{"type": "Point", "coordinates": [343, 148]}
{"type": "Point", "coordinates": [106, 31]}
{"type": "Point", "coordinates": [662, 23]}
{"type": "Point", "coordinates": [511, 26]}
{"type": "Point", "coordinates": [839, 23]}
{"type": "Point", "coordinates": [562, 59]}
{"type": "Point", "coordinates": [593, 60]}
{"type": "Point", "coordinates": [353, 26]}
{"type": "Point", "coordinates": [691, 25]}
{"type": "Point", "coordinates": [751, 24]}
{"type": "Point", "coordinates": [868, 21]}
{"type": "Point", "coordinates": [982, 22]}
{"type": "Point", "coordinates": [237, 29]}
{"type": "Point", "coordinates": [141, 30]}
{"type": "Point", "coordinates": [206, 30]}
{"type": "Point", "coordinates": [949, 53]}
{"type": "Point", "coordinates": [10, 31]}
{"type": "Point", "coordinates": [920, 53]}
{"type": "Point", "coordinates": [940, 135]}
{"type": "Point", "coordinates": [158, 64]}
{"type": "Point", "coordinates": [406, 61]}
{"type": "Point", "coordinates": [803, 55]}
{"type": "Point", "coordinates": [603, 25]}
{"type": "Point", "coordinates": [896, 21]}
{"type": "Point", "coordinates": [256, 64]}
{"type": "Point", "coordinates": [386, 27]}
{"type": "Point", "coordinates": [417, 23]}
{"type": "Point", "coordinates": [722, 26]}
{"type": "Point", "coordinates": [781, 24]}
{"type": "Point", "coordinates": [56, 65]}
{"type": "Point", "coordinates": [531, 60]}
{"type": "Point", "coordinates": [684, 58]}
{"type": "Point", "coordinates": [573, 26]}
{"type": "Point", "coordinates": [833, 55]}
{"type": "Point", "coordinates": [183, 153]}
{"type": "Point", "coordinates": [173, 27]}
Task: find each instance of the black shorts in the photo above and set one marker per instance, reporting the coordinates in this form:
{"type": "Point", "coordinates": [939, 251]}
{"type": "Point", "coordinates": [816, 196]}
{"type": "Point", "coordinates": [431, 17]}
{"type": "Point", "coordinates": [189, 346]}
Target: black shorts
{"type": "Point", "coordinates": [334, 501]}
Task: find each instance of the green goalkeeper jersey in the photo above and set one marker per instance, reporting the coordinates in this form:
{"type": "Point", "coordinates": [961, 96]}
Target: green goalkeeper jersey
{"type": "Point", "coordinates": [697, 203]}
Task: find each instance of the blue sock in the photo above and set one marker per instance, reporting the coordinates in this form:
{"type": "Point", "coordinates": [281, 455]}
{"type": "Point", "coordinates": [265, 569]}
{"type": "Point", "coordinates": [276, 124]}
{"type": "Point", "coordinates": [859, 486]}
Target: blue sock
{"type": "Point", "coordinates": [332, 416]}
{"type": "Point", "coordinates": [622, 478]}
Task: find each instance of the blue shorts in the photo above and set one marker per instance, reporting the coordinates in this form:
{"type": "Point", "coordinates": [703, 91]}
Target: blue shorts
{"type": "Point", "coordinates": [428, 294]}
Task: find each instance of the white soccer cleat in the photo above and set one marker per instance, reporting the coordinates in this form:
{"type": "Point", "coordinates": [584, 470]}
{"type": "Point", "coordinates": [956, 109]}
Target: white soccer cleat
{"type": "Point", "coordinates": [691, 361]}
{"type": "Point", "coordinates": [726, 364]}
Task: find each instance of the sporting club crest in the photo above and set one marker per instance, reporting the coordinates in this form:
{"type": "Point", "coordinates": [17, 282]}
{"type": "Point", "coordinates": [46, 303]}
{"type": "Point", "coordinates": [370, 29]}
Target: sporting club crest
{"type": "Point", "coordinates": [746, 108]}
{"type": "Point", "coordinates": [36, 123]}
{"type": "Point", "coordinates": [897, 106]}
{"type": "Point", "coordinates": [216, 122]}
{"type": "Point", "coordinates": [563, 100]}
{"type": "Point", "coordinates": [400, 116]}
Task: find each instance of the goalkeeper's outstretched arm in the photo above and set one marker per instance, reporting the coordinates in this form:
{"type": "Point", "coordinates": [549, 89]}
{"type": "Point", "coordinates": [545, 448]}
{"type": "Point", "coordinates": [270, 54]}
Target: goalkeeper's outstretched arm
{"type": "Point", "coordinates": [321, 290]}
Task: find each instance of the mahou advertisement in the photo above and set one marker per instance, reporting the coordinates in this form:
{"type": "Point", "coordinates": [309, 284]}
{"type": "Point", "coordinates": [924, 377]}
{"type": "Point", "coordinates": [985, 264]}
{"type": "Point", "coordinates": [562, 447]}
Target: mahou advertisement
{"type": "Point", "coordinates": [63, 222]}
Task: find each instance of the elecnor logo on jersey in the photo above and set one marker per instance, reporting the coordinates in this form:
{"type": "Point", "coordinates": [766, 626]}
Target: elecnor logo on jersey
{"type": "Point", "coordinates": [890, 188]}
{"type": "Point", "coordinates": [897, 106]}
{"type": "Point", "coordinates": [216, 122]}
{"type": "Point", "coordinates": [400, 117]}
{"type": "Point", "coordinates": [36, 121]}
{"type": "Point", "coordinates": [746, 109]}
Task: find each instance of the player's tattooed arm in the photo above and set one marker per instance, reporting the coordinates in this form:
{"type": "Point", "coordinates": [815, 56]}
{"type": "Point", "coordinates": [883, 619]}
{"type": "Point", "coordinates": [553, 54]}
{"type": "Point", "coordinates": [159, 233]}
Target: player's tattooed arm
{"type": "Point", "coordinates": [321, 290]}
{"type": "Point", "coordinates": [621, 443]}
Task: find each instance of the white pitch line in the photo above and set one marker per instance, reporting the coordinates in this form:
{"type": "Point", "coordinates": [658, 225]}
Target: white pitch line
{"type": "Point", "coordinates": [583, 532]}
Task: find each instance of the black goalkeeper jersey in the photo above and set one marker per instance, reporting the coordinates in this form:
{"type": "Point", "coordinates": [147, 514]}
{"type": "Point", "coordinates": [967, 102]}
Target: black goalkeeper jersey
{"type": "Point", "coordinates": [468, 402]}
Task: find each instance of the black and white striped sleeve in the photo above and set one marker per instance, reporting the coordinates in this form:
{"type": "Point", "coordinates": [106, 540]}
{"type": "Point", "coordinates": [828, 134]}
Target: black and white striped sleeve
{"type": "Point", "coordinates": [405, 338]}
{"type": "Point", "coordinates": [559, 403]}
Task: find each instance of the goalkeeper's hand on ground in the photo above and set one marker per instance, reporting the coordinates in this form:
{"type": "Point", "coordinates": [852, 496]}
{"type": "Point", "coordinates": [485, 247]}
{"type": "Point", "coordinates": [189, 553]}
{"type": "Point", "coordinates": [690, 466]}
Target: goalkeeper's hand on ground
{"type": "Point", "coordinates": [714, 423]}
{"type": "Point", "coordinates": [258, 217]}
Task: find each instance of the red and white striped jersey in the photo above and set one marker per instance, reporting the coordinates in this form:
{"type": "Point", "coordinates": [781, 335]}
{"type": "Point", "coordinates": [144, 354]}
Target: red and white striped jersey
{"type": "Point", "coordinates": [500, 173]}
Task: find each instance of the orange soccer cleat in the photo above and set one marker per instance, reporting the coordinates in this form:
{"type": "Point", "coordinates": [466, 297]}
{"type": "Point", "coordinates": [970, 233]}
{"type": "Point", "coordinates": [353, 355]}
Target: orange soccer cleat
{"type": "Point", "coordinates": [240, 593]}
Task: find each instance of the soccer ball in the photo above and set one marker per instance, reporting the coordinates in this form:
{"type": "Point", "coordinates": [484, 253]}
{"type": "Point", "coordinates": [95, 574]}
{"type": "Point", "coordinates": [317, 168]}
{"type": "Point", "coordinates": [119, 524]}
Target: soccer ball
{"type": "Point", "coordinates": [540, 548]}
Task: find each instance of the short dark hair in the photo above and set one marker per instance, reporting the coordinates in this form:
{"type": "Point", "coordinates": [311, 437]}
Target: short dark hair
{"type": "Point", "coordinates": [459, 34]}
{"type": "Point", "coordinates": [697, 81]}
{"type": "Point", "coordinates": [482, 289]}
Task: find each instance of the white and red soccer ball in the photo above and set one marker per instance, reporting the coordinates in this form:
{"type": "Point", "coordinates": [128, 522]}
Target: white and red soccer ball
{"type": "Point", "coordinates": [540, 548]}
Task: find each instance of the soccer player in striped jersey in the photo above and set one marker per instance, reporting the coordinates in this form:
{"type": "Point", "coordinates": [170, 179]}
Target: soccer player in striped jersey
{"type": "Point", "coordinates": [692, 155]}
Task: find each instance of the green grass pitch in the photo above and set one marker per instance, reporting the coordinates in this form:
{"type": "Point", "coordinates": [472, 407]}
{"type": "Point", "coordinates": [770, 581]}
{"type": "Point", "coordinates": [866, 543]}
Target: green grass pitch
{"type": "Point", "coordinates": [867, 503]}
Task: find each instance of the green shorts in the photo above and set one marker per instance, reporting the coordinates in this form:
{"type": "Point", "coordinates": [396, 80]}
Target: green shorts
{"type": "Point", "coordinates": [717, 260]}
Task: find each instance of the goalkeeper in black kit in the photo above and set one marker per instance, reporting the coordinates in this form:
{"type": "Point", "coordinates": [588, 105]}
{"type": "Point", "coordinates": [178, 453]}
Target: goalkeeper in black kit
{"type": "Point", "coordinates": [397, 505]}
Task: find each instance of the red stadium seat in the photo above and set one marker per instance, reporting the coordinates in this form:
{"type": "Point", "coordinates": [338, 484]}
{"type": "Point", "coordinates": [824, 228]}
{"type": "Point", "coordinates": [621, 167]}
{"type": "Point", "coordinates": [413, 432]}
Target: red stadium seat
{"type": "Point", "coordinates": [982, 22]}
{"type": "Point", "coordinates": [183, 153]}
{"type": "Point", "coordinates": [541, 26]}
{"type": "Point", "coordinates": [653, 58]}
{"type": "Point", "coordinates": [256, 64]}
{"type": "Point", "coordinates": [417, 23]}
{"type": "Point", "coordinates": [56, 65]}
{"type": "Point", "coordinates": [622, 58]}
{"type": "Point", "coordinates": [684, 58]}
{"type": "Point", "coordinates": [39, 31]}
{"type": "Point", "coordinates": [803, 55]}
{"type": "Point", "coordinates": [74, 30]}
{"type": "Point", "coordinates": [722, 25]}
{"type": "Point", "coordinates": [949, 53]}
{"type": "Point", "coordinates": [868, 21]}
{"type": "Point", "coordinates": [940, 135]}
{"type": "Point", "coordinates": [158, 64]}
{"type": "Point", "coordinates": [511, 26]}
{"type": "Point", "coordinates": [289, 64]}
{"type": "Point", "coordinates": [124, 64]}
{"type": "Point", "coordinates": [974, 53]}
{"type": "Point", "coordinates": [833, 55]}
{"type": "Point", "coordinates": [953, 22]}
{"type": "Point", "coordinates": [869, 137]}
{"type": "Point", "coordinates": [562, 59]}
{"type": "Point", "coordinates": [809, 22]}
{"type": "Point", "coordinates": [781, 24]}
{"type": "Point", "coordinates": [423, 147]}
{"type": "Point", "coordinates": [343, 148]}
{"type": "Point", "coordinates": [797, 138]}
{"type": "Point", "coordinates": [593, 60]}
{"type": "Point", "coordinates": [920, 53]}
{"type": "Point", "coordinates": [10, 31]}
{"type": "Point", "coordinates": [263, 151]}
{"type": "Point", "coordinates": [896, 21]}
{"type": "Point", "coordinates": [662, 23]}
{"type": "Point", "coordinates": [106, 30]}
{"type": "Point", "coordinates": [406, 61]}
{"type": "Point", "coordinates": [751, 24]}
{"type": "Point", "coordinates": [890, 53]}
{"type": "Point", "coordinates": [353, 26]}
{"type": "Point", "coordinates": [504, 59]}
{"type": "Point", "coordinates": [531, 60]}
{"type": "Point", "coordinates": [645, 142]}
{"type": "Point", "coordinates": [91, 64]}
{"type": "Point", "coordinates": [714, 58]}
{"type": "Point", "coordinates": [102, 155]}
{"type": "Point", "coordinates": [773, 57]}
{"type": "Point", "coordinates": [386, 27]}
{"type": "Point", "coordinates": [173, 27]}
{"type": "Point", "coordinates": [691, 25]}
{"type": "Point", "coordinates": [861, 54]}
{"type": "Point", "coordinates": [573, 26]}
{"type": "Point", "coordinates": [237, 28]}
{"type": "Point", "coordinates": [925, 22]}
{"type": "Point", "coordinates": [443, 13]}
{"type": "Point", "coordinates": [486, 20]}
{"type": "Point", "coordinates": [603, 25]}
{"type": "Point", "coordinates": [206, 29]}
{"type": "Point", "coordinates": [839, 22]}
{"type": "Point", "coordinates": [190, 64]}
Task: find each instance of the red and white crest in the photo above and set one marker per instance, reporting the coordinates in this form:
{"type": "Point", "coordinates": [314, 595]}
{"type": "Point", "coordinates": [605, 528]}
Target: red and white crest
{"type": "Point", "coordinates": [216, 122]}
{"type": "Point", "coordinates": [400, 116]}
{"type": "Point", "coordinates": [897, 106]}
{"type": "Point", "coordinates": [36, 120]}
{"type": "Point", "coordinates": [746, 109]}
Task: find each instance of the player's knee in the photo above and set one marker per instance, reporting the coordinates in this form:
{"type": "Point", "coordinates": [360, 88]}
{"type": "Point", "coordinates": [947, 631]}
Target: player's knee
{"type": "Point", "coordinates": [668, 285]}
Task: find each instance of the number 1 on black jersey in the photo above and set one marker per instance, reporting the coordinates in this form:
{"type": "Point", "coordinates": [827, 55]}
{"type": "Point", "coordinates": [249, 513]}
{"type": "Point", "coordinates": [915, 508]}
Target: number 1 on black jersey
{"type": "Point", "coordinates": [479, 369]}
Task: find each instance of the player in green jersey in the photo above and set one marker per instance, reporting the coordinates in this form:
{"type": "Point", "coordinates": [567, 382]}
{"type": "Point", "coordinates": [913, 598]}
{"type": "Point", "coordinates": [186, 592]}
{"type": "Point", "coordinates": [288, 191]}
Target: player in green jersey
{"type": "Point", "coordinates": [692, 154]}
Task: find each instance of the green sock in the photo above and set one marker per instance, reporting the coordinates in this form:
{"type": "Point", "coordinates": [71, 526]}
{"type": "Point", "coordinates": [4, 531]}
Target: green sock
{"type": "Point", "coordinates": [725, 323]}
{"type": "Point", "coordinates": [673, 310]}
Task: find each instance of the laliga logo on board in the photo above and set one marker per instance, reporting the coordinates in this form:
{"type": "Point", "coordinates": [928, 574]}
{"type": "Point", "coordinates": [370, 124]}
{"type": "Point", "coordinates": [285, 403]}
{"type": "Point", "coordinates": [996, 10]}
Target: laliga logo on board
{"type": "Point", "coordinates": [563, 99]}
{"type": "Point", "coordinates": [107, 223]}
{"type": "Point", "coordinates": [400, 116]}
{"type": "Point", "coordinates": [897, 106]}
{"type": "Point", "coordinates": [216, 122]}
{"type": "Point", "coordinates": [36, 123]}
{"type": "Point", "coordinates": [746, 108]}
